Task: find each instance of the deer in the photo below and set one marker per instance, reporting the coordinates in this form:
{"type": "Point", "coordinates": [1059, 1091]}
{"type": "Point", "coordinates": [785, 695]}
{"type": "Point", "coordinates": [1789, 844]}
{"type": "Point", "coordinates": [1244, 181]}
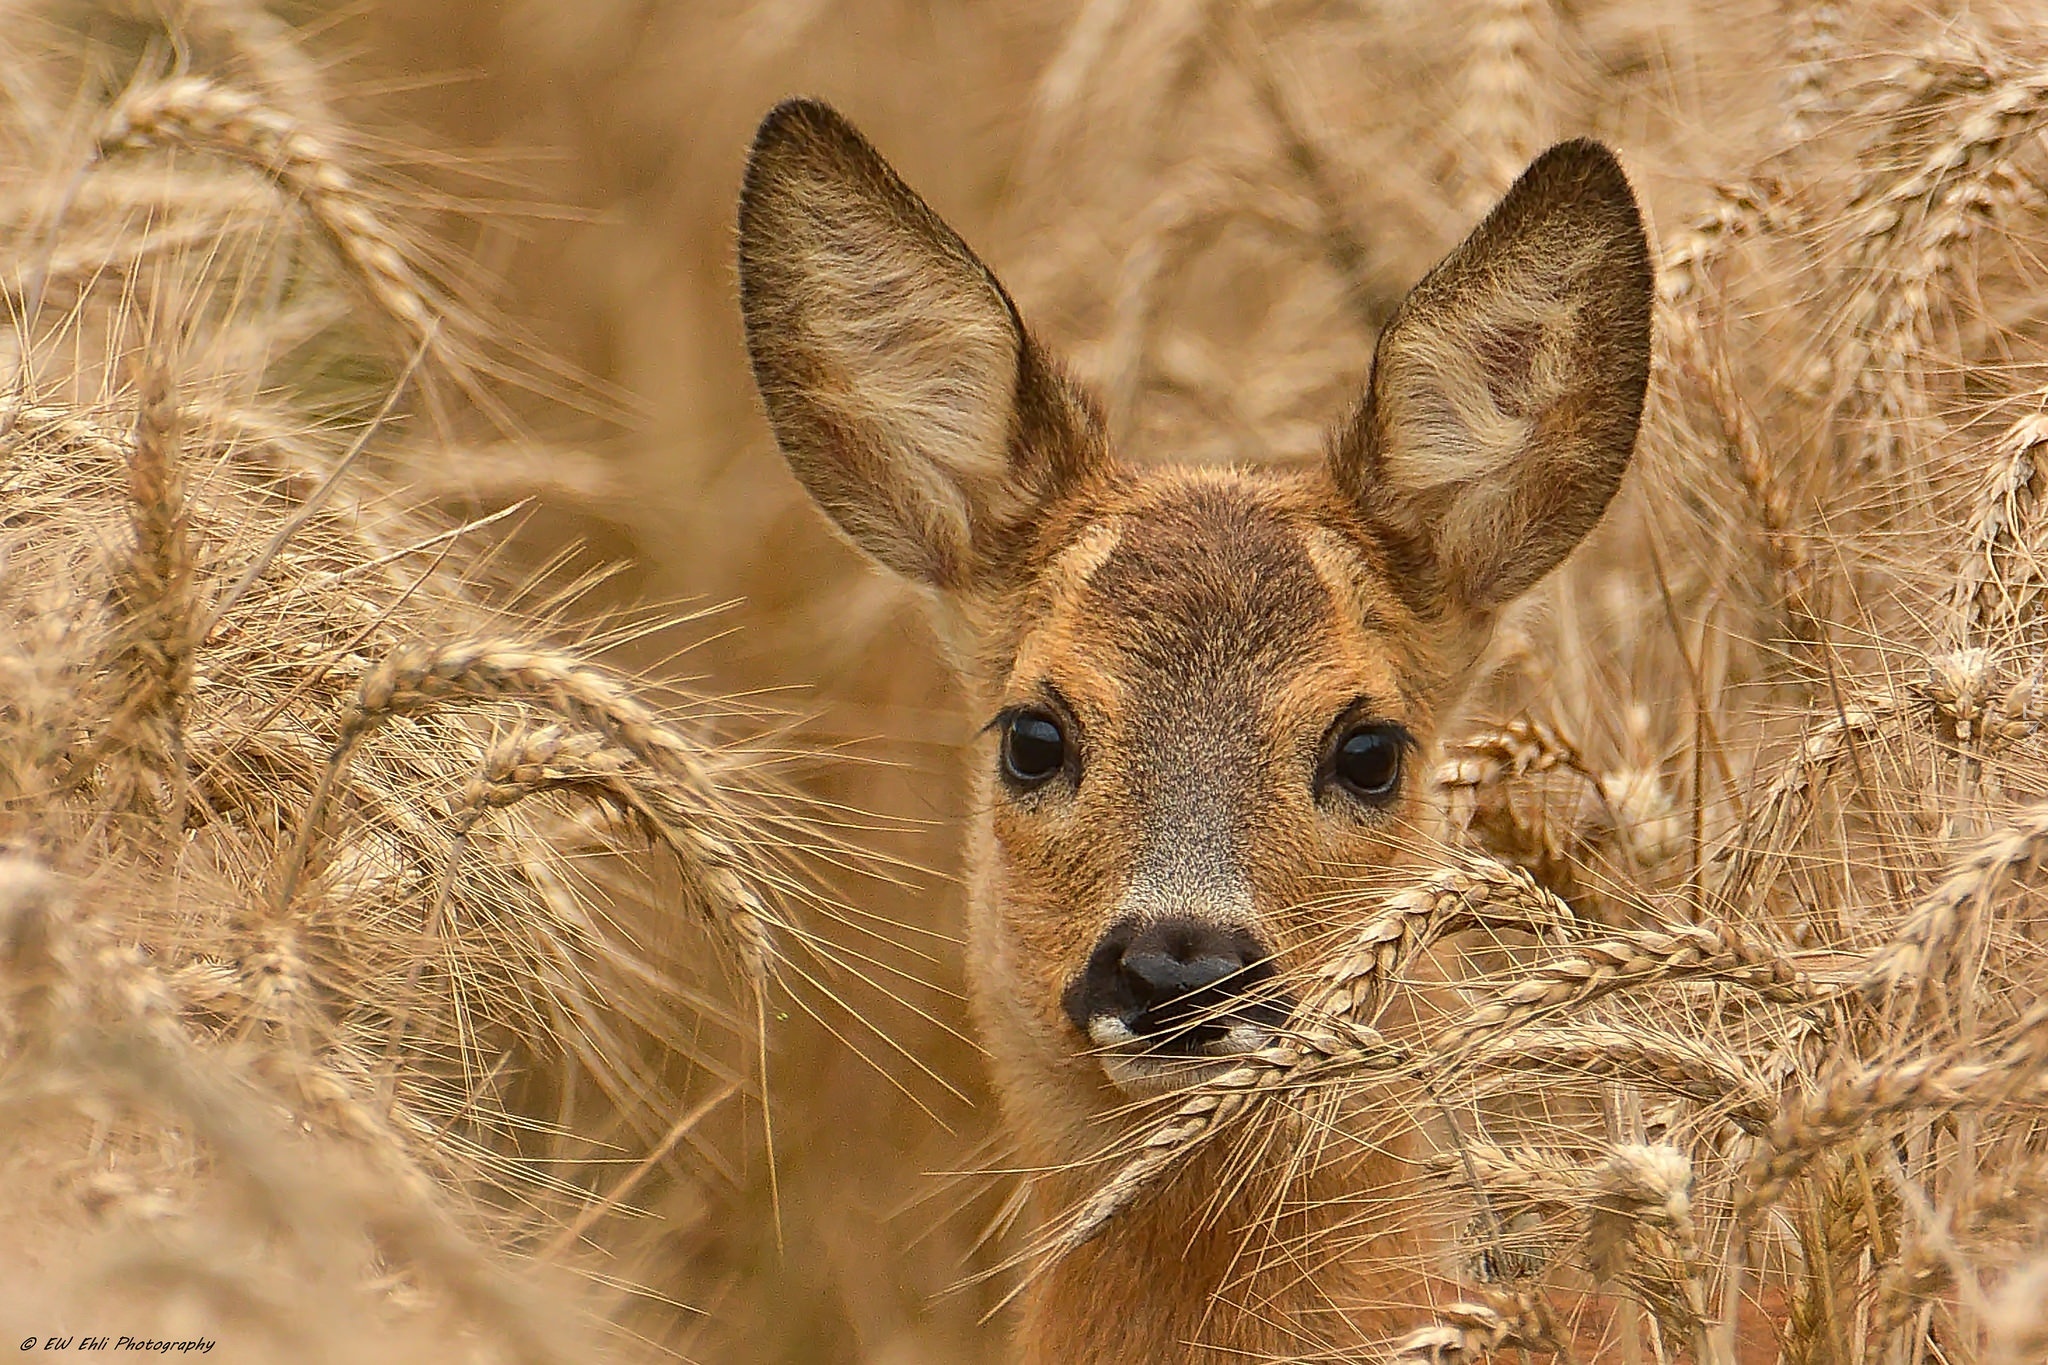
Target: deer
{"type": "Point", "coordinates": [1207, 690]}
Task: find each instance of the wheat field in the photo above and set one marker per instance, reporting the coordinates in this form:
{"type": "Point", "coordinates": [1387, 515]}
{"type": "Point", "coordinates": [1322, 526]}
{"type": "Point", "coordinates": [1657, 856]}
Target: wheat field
{"type": "Point", "coordinates": [481, 874]}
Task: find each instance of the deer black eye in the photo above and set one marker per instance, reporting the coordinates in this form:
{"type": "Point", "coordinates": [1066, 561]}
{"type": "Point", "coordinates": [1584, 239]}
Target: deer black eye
{"type": "Point", "coordinates": [1034, 748]}
{"type": "Point", "coordinates": [1367, 761]}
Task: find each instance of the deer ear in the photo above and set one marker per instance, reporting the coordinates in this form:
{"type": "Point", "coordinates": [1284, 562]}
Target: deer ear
{"type": "Point", "coordinates": [1506, 392]}
{"type": "Point", "coordinates": [897, 376]}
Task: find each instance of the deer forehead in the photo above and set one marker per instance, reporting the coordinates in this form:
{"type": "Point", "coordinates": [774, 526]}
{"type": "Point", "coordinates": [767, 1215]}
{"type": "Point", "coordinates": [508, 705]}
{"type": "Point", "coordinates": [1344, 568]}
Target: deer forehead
{"type": "Point", "coordinates": [1218, 611]}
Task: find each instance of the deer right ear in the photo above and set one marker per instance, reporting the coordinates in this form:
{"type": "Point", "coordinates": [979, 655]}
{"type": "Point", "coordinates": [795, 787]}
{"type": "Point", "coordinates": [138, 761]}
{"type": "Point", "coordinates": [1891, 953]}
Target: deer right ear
{"type": "Point", "coordinates": [1506, 392]}
{"type": "Point", "coordinates": [899, 381]}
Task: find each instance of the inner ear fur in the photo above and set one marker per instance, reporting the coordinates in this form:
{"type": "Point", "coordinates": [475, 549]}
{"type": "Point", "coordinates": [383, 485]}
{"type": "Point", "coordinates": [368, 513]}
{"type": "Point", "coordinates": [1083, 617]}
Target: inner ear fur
{"type": "Point", "coordinates": [899, 380]}
{"type": "Point", "coordinates": [1506, 393]}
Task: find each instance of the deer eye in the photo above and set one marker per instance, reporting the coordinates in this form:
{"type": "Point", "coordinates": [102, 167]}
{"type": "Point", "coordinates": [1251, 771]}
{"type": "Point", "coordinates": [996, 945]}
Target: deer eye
{"type": "Point", "coordinates": [1367, 761]}
{"type": "Point", "coordinates": [1034, 747]}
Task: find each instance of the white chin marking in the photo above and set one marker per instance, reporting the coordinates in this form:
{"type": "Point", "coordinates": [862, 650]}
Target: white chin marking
{"type": "Point", "coordinates": [1142, 1074]}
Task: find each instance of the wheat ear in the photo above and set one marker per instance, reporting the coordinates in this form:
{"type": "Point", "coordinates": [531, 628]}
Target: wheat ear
{"type": "Point", "coordinates": [1813, 55]}
{"type": "Point", "coordinates": [1501, 118]}
{"type": "Point", "coordinates": [1637, 1055]}
{"type": "Point", "coordinates": [1513, 749]}
{"type": "Point", "coordinates": [1855, 1097]}
{"type": "Point", "coordinates": [1918, 952]}
{"type": "Point", "coordinates": [553, 759]}
{"type": "Point", "coordinates": [1761, 835]}
{"type": "Point", "coordinates": [1676, 952]}
{"type": "Point", "coordinates": [419, 675]}
{"type": "Point", "coordinates": [1647, 1182]}
{"type": "Point", "coordinates": [153, 591]}
{"type": "Point", "coordinates": [1467, 1331]}
{"type": "Point", "coordinates": [1483, 894]}
{"type": "Point", "coordinates": [1930, 211]}
{"type": "Point", "coordinates": [2000, 579]}
{"type": "Point", "coordinates": [194, 112]}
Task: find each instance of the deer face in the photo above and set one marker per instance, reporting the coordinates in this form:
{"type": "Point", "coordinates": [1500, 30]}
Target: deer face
{"type": "Point", "coordinates": [1205, 691]}
{"type": "Point", "coordinates": [1205, 707]}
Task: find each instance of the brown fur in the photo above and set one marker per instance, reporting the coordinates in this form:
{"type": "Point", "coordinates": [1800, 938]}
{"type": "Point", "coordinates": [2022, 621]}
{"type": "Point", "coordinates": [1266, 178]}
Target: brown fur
{"type": "Point", "coordinates": [1201, 632]}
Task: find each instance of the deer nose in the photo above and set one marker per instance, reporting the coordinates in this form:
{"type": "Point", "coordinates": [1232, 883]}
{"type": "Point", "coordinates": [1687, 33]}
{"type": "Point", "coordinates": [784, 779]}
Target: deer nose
{"type": "Point", "coordinates": [1179, 983]}
{"type": "Point", "coordinates": [1165, 961]}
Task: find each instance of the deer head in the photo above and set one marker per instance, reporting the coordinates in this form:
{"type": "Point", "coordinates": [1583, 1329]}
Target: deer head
{"type": "Point", "coordinates": [1205, 690]}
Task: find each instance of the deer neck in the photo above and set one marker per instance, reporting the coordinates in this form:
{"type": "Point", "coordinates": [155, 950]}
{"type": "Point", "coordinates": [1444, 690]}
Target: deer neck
{"type": "Point", "coordinates": [1186, 1276]}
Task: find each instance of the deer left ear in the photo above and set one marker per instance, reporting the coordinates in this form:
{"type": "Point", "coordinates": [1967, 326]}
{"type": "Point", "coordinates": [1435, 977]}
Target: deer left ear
{"type": "Point", "coordinates": [1506, 393]}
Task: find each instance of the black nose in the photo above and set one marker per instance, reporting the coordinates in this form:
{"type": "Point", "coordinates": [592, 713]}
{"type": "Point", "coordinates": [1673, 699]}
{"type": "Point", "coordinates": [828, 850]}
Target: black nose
{"type": "Point", "coordinates": [1163, 961]}
{"type": "Point", "coordinates": [1181, 982]}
